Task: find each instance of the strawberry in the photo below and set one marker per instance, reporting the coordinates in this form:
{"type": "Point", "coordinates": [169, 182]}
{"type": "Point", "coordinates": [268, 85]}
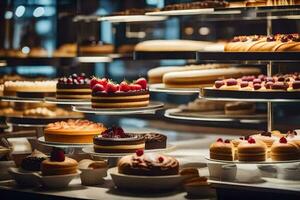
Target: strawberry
{"type": "Point", "coordinates": [98, 88]}
{"type": "Point", "coordinates": [124, 87]}
{"type": "Point", "coordinates": [103, 81]}
{"type": "Point", "coordinates": [93, 82]}
{"type": "Point", "coordinates": [219, 140]}
{"type": "Point", "coordinates": [135, 86]}
{"type": "Point", "coordinates": [142, 82]}
{"type": "Point", "coordinates": [111, 87]}
{"type": "Point", "coordinates": [283, 140]}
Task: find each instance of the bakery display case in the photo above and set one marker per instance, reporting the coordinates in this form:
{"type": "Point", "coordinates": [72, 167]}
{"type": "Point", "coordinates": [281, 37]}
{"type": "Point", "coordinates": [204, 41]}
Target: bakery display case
{"type": "Point", "coordinates": [149, 99]}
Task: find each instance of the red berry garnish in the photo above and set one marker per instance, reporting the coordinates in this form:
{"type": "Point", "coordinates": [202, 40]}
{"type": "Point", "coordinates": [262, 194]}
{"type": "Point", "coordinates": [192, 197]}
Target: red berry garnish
{"type": "Point", "coordinates": [124, 87]}
{"type": "Point", "coordinates": [257, 86]}
{"type": "Point", "coordinates": [256, 81]}
{"type": "Point", "coordinates": [135, 87]}
{"type": "Point", "coordinates": [139, 152]}
{"type": "Point", "coordinates": [283, 140]}
{"type": "Point", "coordinates": [93, 82]}
{"type": "Point", "coordinates": [103, 81]}
{"type": "Point", "coordinates": [142, 82]}
{"type": "Point", "coordinates": [251, 140]}
{"type": "Point", "coordinates": [70, 81]}
{"type": "Point", "coordinates": [160, 159]}
{"type": "Point", "coordinates": [219, 84]}
{"type": "Point", "coordinates": [111, 87]}
{"type": "Point", "coordinates": [244, 84]}
{"type": "Point", "coordinates": [219, 140]}
{"type": "Point", "coordinates": [241, 138]}
{"type": "Point", "coordinates": [227, 141]}
{"type": "Point", "coordinates": [231, 82]}
{"type": "Point", "coordinates": [57, 155]}
{"type": "Point", "coordinates": [98, 88]}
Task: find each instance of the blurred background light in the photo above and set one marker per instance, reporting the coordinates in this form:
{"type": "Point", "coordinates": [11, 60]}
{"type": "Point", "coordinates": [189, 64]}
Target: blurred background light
{"type": "Point", "coordinates": [20, 11]}
{"type": "Point", "coordinates": [38, 12]}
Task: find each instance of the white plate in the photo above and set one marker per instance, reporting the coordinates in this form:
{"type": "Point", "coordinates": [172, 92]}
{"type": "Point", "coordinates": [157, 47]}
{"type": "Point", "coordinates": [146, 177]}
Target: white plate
{"type": "Point", "coordinates": [160, 87]}
{"type": "Point", "coordinates": [90, 150]}
{"type": "Point", "coordinates": [62, 145]}
{"type": "Point", "coordinates": [132, 18]}
{"type": "Point", "coordinates": [53, 100]}
{"type": "Point", "coordinates": [152, 107]}
{"type": "Point", "coordinates": [147, 182]}
{"type": "Point", "coordinates": [56, 181]}
{"type": "Point", "coordinates": [23, 177]}
{"type": "Point", "coordinates": [268, 161]}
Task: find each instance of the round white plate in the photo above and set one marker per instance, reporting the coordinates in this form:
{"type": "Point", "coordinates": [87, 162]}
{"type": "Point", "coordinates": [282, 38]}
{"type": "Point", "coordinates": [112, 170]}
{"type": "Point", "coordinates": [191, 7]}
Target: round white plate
{"type": "Point", "coordinates": [146, 182]}
{"type": "Point", "coordinates": [153, 106]}
{"type": "Point", "coordinates": [90, 150]}
{"type": "Point", "coordinates": [21, 99]}
{"type": "Point", "coordinates": [23, 177]}
{"type": "Point", "coordinates": [160, 87]}
{"type": "Point", "coordinates": [54, 100]}
{"type": "Point", "coordinates": [62, 145]}
{"type": "Point", "coordinates": [268, 161]}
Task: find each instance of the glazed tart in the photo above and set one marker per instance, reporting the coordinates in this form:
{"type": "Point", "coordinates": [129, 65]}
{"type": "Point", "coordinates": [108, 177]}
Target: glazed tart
{"type": "Point", "coordinates": [115, 140]}
{"type": "Point", "coordinates": [106, 94]}
{"type": "Point", "coordinates": [73, 131]}
{"type": "Point", "coordinates": [73, 87]}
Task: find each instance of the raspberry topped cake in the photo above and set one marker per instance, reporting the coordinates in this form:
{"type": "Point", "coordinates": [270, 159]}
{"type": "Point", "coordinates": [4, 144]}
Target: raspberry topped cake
{"type": "Point", "coordinates": [115, 140]}
{"type": "Point", "coordinates": [148, 164]}
{"type": "Point", "coordinates": [73, 87]}
{"type": "Point", "coordinates": [107, 94]}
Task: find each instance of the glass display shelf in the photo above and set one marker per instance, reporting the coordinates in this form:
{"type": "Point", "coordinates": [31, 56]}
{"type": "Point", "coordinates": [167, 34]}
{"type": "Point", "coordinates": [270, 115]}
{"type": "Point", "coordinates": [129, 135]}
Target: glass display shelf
{"type": "Point", "coordinates": [211, 93]}
{"type": "Point", "coordinates": [54, 100]}
{"type": "Point", "coordinates": [154, 55]}
{"type": "Point", "coordinates": [249, 56]}
{"type": "Point", "coordinates": [22, 99]}
{"type": "Point", "coordinates": [267, 161]}
{"type": "Point", "coordinates": [216, 116]}
{"type": "Point", "coordinates": [160, 87]}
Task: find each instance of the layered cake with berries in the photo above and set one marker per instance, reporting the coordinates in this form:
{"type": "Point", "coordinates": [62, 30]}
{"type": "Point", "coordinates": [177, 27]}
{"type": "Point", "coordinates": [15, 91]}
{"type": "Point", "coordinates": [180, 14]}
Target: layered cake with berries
{"type": "Point", "coordinates": [73, 131]}
{"type": "Point", "coordinates": [107, 94]}
{"type": "Point", "coordinates": [222, 150]}
{"type": "Point", "coordinates": [73, 87]}
{"type": "Point", "coordinates": [252, 150]}
{"type": "Point", "coordinates": [148, 164]}
{"type": "Point", "coordinates": [285, 150]}
{"type": "Point", "coordinates": [115, 140]}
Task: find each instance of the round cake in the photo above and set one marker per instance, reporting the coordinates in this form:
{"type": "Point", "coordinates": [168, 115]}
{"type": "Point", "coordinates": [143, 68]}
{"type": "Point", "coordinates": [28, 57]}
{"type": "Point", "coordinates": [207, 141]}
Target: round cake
{"type": "Point", "coordinates": [150, 164]}
{"type": "Point", "coordinates": [265, 137]}
{"type": "Point", "coordinates": [115, 140]}
{"type": "Point", "coordinates": [58, 164]}
{"type": "Point", "coordinates": [284, 150]}
{"type": "Point", "coordinates": [73, 87]}
{"type": "Point", "coordinates": [30, 89]}
{"type": "Point", "coordinates": [106, 94]}
{"type": "Point", "coordinates": [155, 141]}
{"type": "Point", "coordinates": [294, 137]}
{"type": "Point", "coordinates": [73, 131]}
{"type": "Point", "coordinates": [252, 151]}
{"type": "Point", "coordinates": [220, 150]}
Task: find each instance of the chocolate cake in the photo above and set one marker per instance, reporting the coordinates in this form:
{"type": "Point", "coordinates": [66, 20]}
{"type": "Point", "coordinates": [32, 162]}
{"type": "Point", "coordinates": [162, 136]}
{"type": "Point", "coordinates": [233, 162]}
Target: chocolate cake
{"type": "Point", "coordinates": [115, 140]}
{"type": "Point", "coordinates": [155, 141]}
{"type": "Point", "coordinates": [73, 87]}
{"type": "Point", "coordinates": [33, 161]}
{"type": "Point", "coordinates": [148, 164]}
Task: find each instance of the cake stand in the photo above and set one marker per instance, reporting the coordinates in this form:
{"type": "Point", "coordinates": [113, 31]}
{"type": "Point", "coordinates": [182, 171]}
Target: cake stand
{"type": "Point", "coordinates": [160, 87]}
{"type": "Point", "coordinates": [69, 148]}
{"type": "Point", "coordinates": [114, 157]}
{"type": "Point", "coordinates": [151, 108]}
{"type": "Point", "coordinates": [54, 100]}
